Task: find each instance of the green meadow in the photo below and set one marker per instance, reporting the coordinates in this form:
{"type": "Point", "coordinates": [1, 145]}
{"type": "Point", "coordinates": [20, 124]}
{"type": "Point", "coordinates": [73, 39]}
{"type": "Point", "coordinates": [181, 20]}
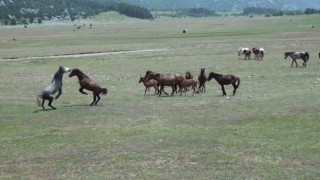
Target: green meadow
{"type": "Point", "coordinates": [269, 130]}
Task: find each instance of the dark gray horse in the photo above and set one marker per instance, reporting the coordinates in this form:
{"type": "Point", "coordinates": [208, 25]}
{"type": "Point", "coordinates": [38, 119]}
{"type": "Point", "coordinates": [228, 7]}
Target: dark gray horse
{"type": "Point", "coordinates": [56, 85]}
{"type": "Point", "coordinates": [297, 55]}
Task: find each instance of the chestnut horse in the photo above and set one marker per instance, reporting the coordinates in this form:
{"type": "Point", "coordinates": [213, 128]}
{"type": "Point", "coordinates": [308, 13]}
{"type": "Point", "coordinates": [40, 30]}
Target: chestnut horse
{"type": "Point", "coordinates": [86, 83]}
{"type": "Point", "coordinates": [202, 78]}
{"type": "Point", "coordinates": [225, 80]}
{"type": "Point", "coordinates": [173, 80]}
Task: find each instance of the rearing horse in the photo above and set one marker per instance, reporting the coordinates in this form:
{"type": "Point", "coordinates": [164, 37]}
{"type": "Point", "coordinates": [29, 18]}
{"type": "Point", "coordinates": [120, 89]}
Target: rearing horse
{"type": "Point", "coordinates": [55, 85]}
{"type": "Point", "coordinates": [225, 80]}
{"type": "Point", "coordinates": [86, 83]}
{"type": "Point", "coordinates": [202, 78]}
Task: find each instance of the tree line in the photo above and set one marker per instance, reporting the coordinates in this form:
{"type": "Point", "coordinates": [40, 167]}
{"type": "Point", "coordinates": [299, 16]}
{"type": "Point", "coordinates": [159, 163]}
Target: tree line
{"type": "Point", "coordinates": [34, 11]}
{"type": "Point", "coordinates": [191, 12]}
{"type": "Point", "coordinates": [277, 12]}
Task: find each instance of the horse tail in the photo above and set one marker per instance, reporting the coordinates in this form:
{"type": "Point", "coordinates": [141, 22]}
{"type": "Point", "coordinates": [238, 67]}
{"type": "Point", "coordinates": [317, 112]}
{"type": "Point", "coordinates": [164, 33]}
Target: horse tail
{"type": "Point", "coordinates": [238, 79]}
{"type": "Point", "coordinates": [39, 100]}
{"type": "Point", "coordinates": [307, 56]}
{"type": "Point", "coordinates": [104, 91]}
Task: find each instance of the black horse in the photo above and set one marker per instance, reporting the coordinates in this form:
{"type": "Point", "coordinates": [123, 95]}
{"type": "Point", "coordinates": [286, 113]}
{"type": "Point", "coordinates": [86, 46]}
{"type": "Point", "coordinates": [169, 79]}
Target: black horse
{"type": "Point", "coordinates": [297, 55]}
{"type": "Point", "coordinates": [225, 80]}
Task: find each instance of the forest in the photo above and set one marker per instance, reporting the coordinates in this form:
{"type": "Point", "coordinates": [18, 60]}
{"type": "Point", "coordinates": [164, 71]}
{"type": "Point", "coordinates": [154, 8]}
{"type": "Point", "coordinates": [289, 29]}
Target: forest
{"type": "Point", "coordinates": [34, 11]}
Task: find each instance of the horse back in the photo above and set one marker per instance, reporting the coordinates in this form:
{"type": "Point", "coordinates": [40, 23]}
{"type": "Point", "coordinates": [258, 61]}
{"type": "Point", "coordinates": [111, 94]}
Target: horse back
{"type": "Point", "coordinates": [89, 84]}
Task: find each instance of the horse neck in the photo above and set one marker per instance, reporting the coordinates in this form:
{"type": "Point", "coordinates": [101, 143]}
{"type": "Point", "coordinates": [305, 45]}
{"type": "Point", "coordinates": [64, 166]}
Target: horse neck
{"type": "Point", "coordinates": [217, 76]}
{"type": "Point", "coordinates": [81, 76]}
{"type": "Point", "coordinates": [57, 76]}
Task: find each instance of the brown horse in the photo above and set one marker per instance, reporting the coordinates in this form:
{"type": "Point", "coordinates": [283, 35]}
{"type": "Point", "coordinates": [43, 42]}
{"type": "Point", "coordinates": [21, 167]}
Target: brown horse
{"type": "Point", "coordinates": [163, 80]}
{"type": "Point", "coordinates": [225, 80]}
{"type": "Point", "coordinates": [86, 83]}
{"type": "Point", "coordinates": [202, 78]}
{"type": "Point", "coordinates": [188, 75]}
{"type": "Point", "coordinates": [188, 83]}
{"type": "Point", "coordinates": [152, 83]}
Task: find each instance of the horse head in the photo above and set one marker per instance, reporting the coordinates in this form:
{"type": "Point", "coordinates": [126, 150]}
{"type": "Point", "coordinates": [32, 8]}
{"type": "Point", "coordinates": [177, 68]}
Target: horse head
{"type": "Point", "coordinates": [286, 54]}
{"type": "Point", "coordinates": [202, 71]}
{"type": "Point", "coordinates": [211, 75]}
{"type": "Point", "coordinates": [64, 69]}
{"type": "Point", "coordinates": [147, 73]}
{"type": "Point", "coordinates": [142, 79]}
{"type": "Point", "coordinates": [74, 72]}
{"type": "Point", "coordinates": [152, 75]}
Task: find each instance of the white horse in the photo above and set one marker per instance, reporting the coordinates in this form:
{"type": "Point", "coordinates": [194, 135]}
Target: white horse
{"type": "Point", "coordinates": [55, 85]}
{"type": "Point", "coordinates": [241, 51]}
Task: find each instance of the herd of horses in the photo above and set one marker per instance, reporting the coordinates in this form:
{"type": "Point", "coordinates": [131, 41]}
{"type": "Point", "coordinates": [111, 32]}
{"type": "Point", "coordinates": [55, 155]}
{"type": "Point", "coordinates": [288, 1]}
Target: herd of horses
{"type": "Point", "coordinates": [158, 81]}
{"type": "Point", "coordinates": [259, 54]}
{"type": "Point", "coordinates": [257, 51]}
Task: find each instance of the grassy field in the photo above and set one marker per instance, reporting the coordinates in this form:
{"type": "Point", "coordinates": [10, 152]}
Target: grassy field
{"type": "Point", "coordinates": [269, 130]}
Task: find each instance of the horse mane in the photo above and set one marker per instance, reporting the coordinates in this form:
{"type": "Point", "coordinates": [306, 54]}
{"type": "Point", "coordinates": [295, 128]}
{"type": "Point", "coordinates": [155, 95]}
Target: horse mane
{"type": "Point", "coordinates": [286, 53]}
{"type": "Point", "coordinates": [56, 75]}
{"type": "Point", "coordinates": [147, 73]}
{"type": "Point", "coordinates": [80, 73]}
{"type": "Point", "coordinates": [216, 74]}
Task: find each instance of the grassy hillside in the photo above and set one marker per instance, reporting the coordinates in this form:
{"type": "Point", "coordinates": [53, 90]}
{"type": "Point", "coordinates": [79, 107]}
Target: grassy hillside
{"type": "Point", "coordinates": [223, 5]}
{"type": "Point", "coordinates": [269, 130]}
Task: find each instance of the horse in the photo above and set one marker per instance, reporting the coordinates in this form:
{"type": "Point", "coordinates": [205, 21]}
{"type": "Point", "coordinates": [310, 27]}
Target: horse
{"type": "Point", "coordinates": [188, 75]}
{"type": "Point", "coordinates": [55, 85]}
{"type": "Point", "coordinates": [258, 53]}
{"type": "Point", "coordinates": [297, 55]}
{"type": "Point", "coordinates": [188, 83]}
{"type": "Point", "coordinates": [152, 83]}
{"type": "Point", "coordinates": [247, 54]}
{"type": "Point", "coordinates": [202, 78]}
{"type": "Point", "coordinates": [241, 51]}
{"type": "Point", "coordinates": [225, 80]}
{"type": "Point", "coordinates": [164, 80]}
{"type": "Point", "coordinates": [86, 83]}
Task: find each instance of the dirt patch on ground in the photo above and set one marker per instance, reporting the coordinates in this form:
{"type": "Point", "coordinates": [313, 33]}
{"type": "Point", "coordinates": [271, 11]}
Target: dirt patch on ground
{"type": "Point", "coordinates": [86, 54]}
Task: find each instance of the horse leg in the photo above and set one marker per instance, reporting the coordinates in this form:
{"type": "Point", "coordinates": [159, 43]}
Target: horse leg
{"type": "Point", "coordinates": [59, 93]}
{"type": "Point", "coordinates": [200, 89]}
{"type": "Point", "coordinates": [43, 100]}
{"type": "Point", "coordinates": [204, 88]}
{"type": "Point", "coordinates": [296, 62]}
{"type": "Point", "coordinates": [161, 90]}
{"type": "Point", "coordinates": [174, 87]}
{"type": "Point", "coordinates": [94, 99]}
{"type": "Point", "coordinates": [223, 91]}
{"type": "Point", "coordinates": [50, 101]}
{"type": "Point", "coordinates": [81, 90]}
{"type": "Point", "coordinates": [145, 91]}
{"type": "Point", "coordinates": [234, 88]}
{"type": "Point", "coordinates": [97, 100]}
{"type": "Point", "coordinates": [292, 62]}
{"type": "Point", "coordinates": [155, 90]}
